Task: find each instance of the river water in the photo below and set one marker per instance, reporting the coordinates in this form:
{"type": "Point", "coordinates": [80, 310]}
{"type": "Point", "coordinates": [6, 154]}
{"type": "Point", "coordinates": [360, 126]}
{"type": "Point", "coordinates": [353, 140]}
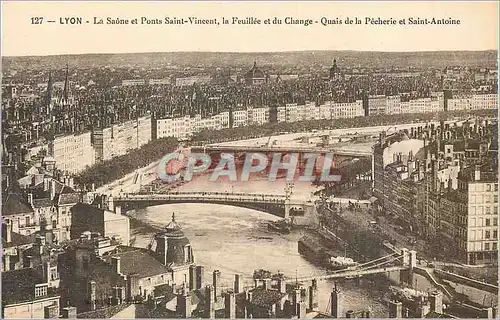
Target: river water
{"type": "Point", "coordinates": [236, 240]}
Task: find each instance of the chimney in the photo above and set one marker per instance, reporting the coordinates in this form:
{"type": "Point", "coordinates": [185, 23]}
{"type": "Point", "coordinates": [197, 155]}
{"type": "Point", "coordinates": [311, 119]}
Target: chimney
{"type": "Point", "coordinates": [46, 272]}
{"type": "Point", "coordinates": [30, 198]}
{"type": "Point", "coordinates": [91, 295]}
{"type": "Point", "coordinates": [249, 296]}
{"type": "Point", "coordinates": [237, 283]}
{"type": "Point", "coordinates": [336, 303]}
{"type": "Point", "coordinates": [301, 310]}
{"type": "Point", "coordinates": [46, 184]}
{"type": "Point", "coordinates": [52, 189]}
{"type": "Point", "coordinates": [192, 277]}
{"type": "Point", "coordinates": [8, 231]}
{"type": "Point", "coordinates": [69, 313]}
{"type": "Point", "coordinates": [436, 301]}
{"type": "Point", "coordinates": [6, 262]}
{"type": "Point", "coordinates": [184, 305]}
{"type": "Point", "coordinates": [217, 285]}
{"type": "Point", "coordinates": [118, 210]}
{"type": "Point", "coordinates": [281, 285]}
{"type": "Point", "coordinates": [40, 243]}
{"type": "Point", "coordinates": [435, 170]}
{"type": "Point", "coordinates": [296, 298]}
{"type": "Point", "coordinates": [209, 302]}
{"type": "Point", "coordinates": [313, 295]}
{"type": "Point", "coordinates": [199, 276]}
{"type": "Point", "coordinates": [395, 309]}
{"type": "Point", "coordinates": [267, 284]}
{"type": "Point", "coordinates": [230, 306]}
{"type": "Point", "coordinates": [477, 173]}
{"type": "Point", "coordinates": [116, 264]}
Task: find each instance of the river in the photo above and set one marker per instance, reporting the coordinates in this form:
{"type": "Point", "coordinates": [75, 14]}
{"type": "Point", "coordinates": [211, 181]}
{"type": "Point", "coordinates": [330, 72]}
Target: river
{"type": "Point", "coordinates": [236, 240]}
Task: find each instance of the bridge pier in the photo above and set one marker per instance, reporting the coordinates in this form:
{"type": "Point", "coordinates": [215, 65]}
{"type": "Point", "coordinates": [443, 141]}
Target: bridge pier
{"type": "Point", "coordinates": [410, 261]}
{"type": "Point", "coordinates": [309, 216]}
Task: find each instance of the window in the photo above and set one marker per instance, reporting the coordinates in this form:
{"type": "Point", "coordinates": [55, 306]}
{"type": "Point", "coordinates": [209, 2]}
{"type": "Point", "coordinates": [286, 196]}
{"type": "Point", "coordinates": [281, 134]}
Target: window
{"type": "Point", "coordinates": [488, 187]}
{"type": "Point", "coordinates": [494, 246]}
{"type": "Point", "coordinates": [487, 222]}
{"type": "Point", "coordinates": [40, 291]}
{"type": "Point", "coordinates": [495, 234]}
{"type": "Point", "coordinates": [495, 221]}
{"type": "Point", "coordinates": [487, 234]}
{"type": "Point", "coordinates": [487, 246]}
{"type": "Point", "coordinates": [27, 220]}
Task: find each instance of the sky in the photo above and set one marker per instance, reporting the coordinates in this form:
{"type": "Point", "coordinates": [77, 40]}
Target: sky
{"type": "Point", "coordinates": [478, 28]}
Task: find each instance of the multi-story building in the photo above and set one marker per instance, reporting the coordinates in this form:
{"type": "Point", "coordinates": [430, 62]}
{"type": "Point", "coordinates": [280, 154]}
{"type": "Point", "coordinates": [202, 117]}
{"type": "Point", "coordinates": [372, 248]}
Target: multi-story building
{"type": "Point", "coordinates": [470, 216]}
{"type": "Point", "coordinates": [144, 134]}
{"type": "Point", "coordinates": [311, 111]}
{"type": "Point", "coordinates": [473, 102]}
{"type": "Point", "coordinates": [347, 110]}
{"type": "Point", "coordinates": [258, 116]}
{"type": "Point", "coordinates": [393, 105]}
{"type": "Point", "coordinates": [325, 110]}
{"type": "Point", "coordinates": [30, 293]}
{"type": "Point", "coordinates": [111, 224]}
{"type": "Point", "coordinates": [133, 82]}
{"type": "Point", "coordinates": [73, 153]}
{"type": "Point", "coordinates": [180, 128]}
{"type": "Point", "coordinates": [377, 105]}
{"type": "Point", "coordinates": [121, 138]}
{"type": "Point", "coordinates": [159, 81]}
{"type": "Point", "coordinates": [240, 118]}
{"type": "Point", "coordinates": [439, 190]}
{"type": "Point", "coordinates": [189, 81]}
{"type": "Point", "coordinates": [484, 101]}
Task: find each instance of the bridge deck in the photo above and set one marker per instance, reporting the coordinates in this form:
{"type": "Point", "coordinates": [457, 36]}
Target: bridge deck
{"type": "Point", "coordinates": [209, 196]}
{"type": "Point", "coordinates": [229, 148]}
{"type": "Point", "coordinates": [350, 273]}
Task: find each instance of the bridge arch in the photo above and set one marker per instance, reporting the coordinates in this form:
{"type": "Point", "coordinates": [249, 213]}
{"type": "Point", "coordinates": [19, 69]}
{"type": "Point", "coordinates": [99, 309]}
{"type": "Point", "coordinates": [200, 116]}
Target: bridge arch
{"type": "Point", "coordinates": [276, 209]}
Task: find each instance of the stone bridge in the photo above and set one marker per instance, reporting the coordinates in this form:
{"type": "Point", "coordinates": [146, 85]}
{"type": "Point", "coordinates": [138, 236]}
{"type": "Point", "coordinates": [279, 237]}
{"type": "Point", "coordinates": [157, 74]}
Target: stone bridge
{"type": "Point", "coordinates": [279, 205]}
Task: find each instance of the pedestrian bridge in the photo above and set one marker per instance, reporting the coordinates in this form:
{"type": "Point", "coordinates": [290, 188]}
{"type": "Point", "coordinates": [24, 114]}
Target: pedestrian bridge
{"type": "Point", "coordinates": [278, 205]}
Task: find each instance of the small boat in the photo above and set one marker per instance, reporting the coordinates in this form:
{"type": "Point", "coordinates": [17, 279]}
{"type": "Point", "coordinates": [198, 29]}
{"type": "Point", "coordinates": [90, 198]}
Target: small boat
{"type": "Point", "coordinates": [281, 226]}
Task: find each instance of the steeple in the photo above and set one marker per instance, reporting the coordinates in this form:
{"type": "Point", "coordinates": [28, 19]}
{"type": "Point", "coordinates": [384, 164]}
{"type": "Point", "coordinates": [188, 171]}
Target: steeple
{"type": "Point", "coordinates": [65, 92]}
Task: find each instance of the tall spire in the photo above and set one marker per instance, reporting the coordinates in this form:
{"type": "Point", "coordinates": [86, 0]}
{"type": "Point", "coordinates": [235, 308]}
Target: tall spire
{"type": "Point", "coordinates": [49, 90]}
{"type": "Point", "coordinates": [65, 92]}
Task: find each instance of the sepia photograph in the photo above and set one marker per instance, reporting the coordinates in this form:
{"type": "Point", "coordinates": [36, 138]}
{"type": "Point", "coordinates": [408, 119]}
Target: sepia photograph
{"type": "Point", "coordinates": [241, 160]}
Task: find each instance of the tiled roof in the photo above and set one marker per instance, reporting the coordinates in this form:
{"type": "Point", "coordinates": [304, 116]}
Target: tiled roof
{"type": "Point", "coordinates": [19, 285]}
{"type": "Point", "coordinates": [68, 198]}
{"type": "Point", "coordinates": [15, 204]}
{"type": "Point", "coordinates": [140, 262]}
{"type": "Point", "coordinates": [266, 298]}
{"type": "Point", "coordinates": [16, 240]}
{"type": "Point", "coordinates": [105, 313]}
{"type": "Point", "coordinates": [42, 203]}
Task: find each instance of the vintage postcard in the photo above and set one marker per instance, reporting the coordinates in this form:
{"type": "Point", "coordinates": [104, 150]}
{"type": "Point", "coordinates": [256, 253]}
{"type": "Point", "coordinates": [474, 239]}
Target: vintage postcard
{"type": "Point", "coordinates": [288, 159]}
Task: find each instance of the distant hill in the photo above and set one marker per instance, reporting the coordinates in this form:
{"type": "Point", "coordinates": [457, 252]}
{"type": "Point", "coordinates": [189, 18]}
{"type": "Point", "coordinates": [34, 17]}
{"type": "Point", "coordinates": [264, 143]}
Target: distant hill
{"type": "Point", "coordinates": [306, 59]}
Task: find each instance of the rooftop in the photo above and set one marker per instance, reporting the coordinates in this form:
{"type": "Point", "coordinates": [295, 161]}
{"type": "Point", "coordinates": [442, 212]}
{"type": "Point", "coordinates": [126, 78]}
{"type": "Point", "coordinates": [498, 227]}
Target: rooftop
{"type": "Point", "coordinates": [138, 261]}
{"type": "Point", "coordinates": [15, 204]}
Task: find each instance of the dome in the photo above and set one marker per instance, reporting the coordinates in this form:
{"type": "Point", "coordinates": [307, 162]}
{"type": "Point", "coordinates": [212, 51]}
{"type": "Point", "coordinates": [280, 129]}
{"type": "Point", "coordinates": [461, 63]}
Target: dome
{"type": "Point", "coordinates": [255, 72]}
{"type": "Point", "coordinates": [172, 246]}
